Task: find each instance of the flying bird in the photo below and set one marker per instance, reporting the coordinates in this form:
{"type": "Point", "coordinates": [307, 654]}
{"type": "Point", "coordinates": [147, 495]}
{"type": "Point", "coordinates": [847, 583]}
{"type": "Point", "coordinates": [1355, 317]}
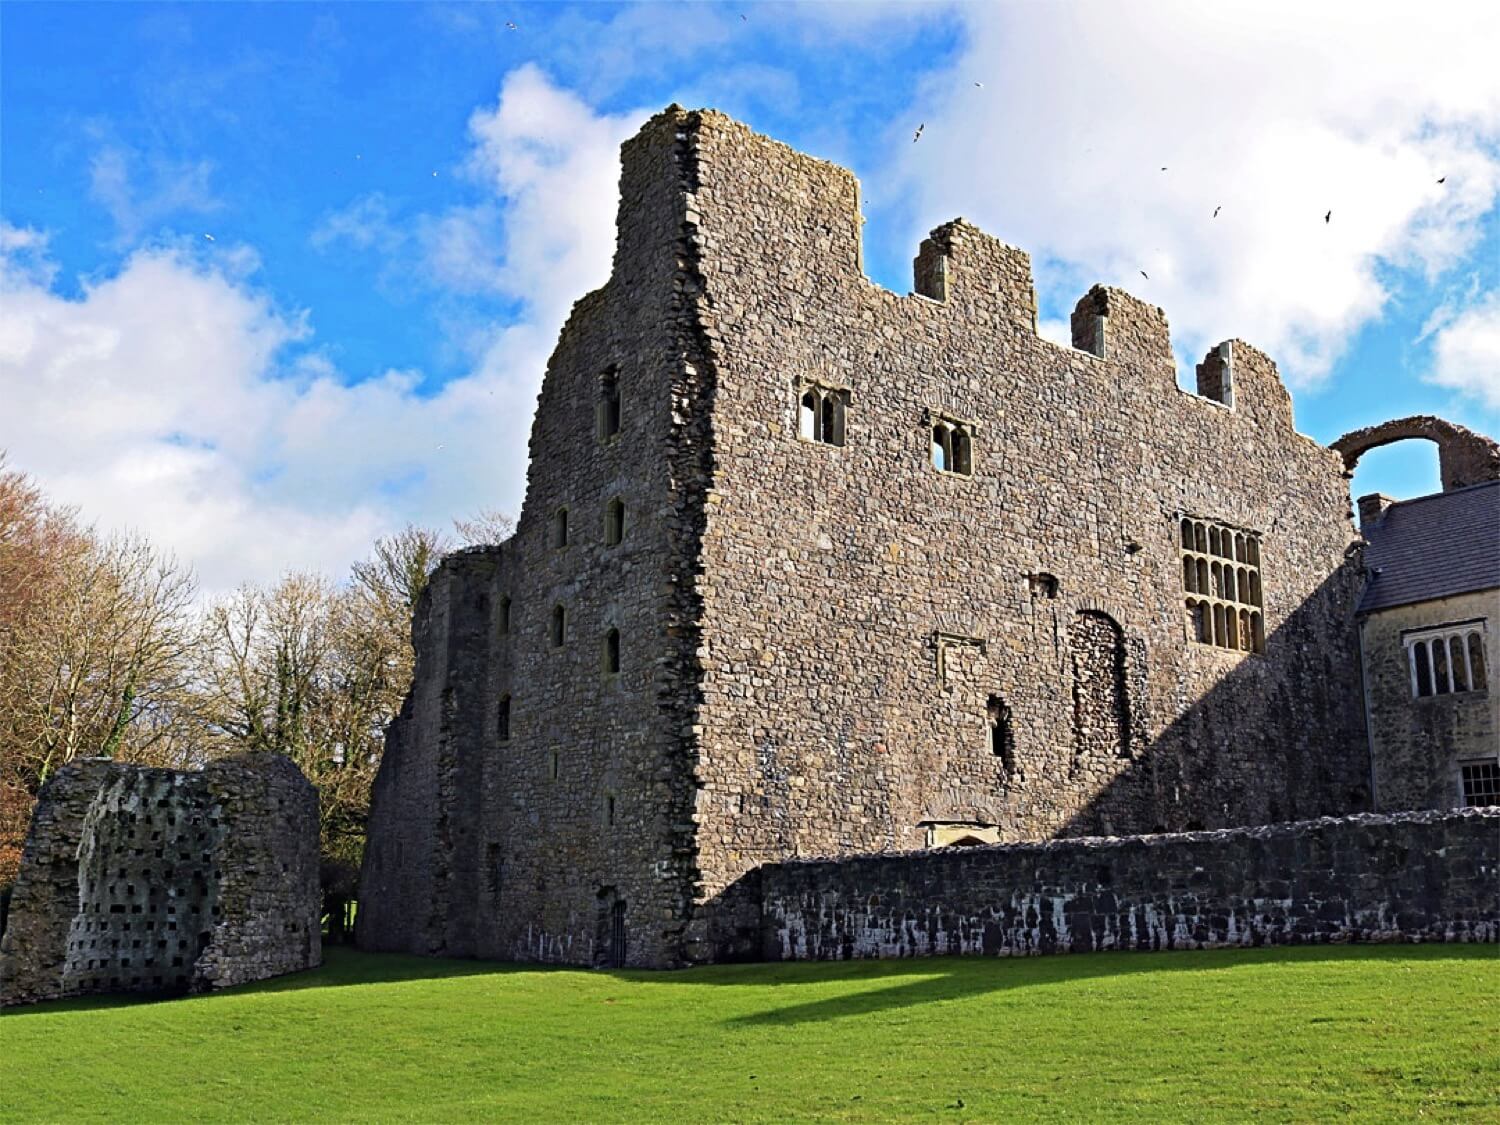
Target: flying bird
{"type": "Point", "coordinates": [510, 26]}
{"type": "Point", "coordinates": [209, 237]}
{"type": "Point", "coordinates": [1217, 209]}
{"type": "Point", "coordinates": [1442, 178]}
{"type": "Point", "coordinates": [1146, 275]}
{"type": "Point", "coordinates": [979, 85]}
{"type": "Point", "coordinates": [917, 136]}
{"type": "Point", "coordinates": [1163, 167]}
{"type": "Point", "coordinates": [1328, 218]}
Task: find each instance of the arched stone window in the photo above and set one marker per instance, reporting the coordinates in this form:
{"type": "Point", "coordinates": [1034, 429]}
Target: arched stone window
{"type": "Point", "coordinates": [1447, 660]}
{"type": "Point", "coordinates": [611, 654]}
{"type": "Point", "coordinates": [614, 522]}
{"type": "Point", "coordinates": [504, 614]}
{"type": "Point", "coordinates": [559, 630]}
{"type": "Point", "coordinates": [820, 413]}
{"type": "Point", "coordinates": [1101, 707]}
{"type": "Point", "coordinates": [502, 719]}
{"type": "Point", "coordinates": [952, 447]}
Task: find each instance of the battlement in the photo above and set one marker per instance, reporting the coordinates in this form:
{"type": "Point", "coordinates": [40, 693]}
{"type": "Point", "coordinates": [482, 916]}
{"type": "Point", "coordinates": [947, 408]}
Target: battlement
{"type": "Point", "coordinates": [730, 189]}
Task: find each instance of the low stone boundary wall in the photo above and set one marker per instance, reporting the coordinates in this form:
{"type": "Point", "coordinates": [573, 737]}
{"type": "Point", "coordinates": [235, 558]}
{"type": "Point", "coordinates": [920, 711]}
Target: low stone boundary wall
{"type": "Point", "coordinates": [1424, 876]}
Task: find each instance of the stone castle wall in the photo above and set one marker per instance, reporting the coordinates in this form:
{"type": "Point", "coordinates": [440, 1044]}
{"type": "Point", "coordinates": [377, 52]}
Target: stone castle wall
{"type": "Point", "coordinates": [1432, 876]}
{"type": "Point", "coordinates": [835, 647]}
{"type": "Point", "coordinates": [866, 615]}
{"type": "Point", "coordinates": [152, 880]}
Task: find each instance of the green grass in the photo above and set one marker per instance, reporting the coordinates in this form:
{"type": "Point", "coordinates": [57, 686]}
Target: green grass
{"type": "Point", "coordinates": [1374, 1033]}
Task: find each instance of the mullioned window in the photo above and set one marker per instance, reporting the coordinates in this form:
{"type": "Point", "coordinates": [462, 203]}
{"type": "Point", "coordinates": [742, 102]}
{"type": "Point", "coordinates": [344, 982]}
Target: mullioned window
{"type": "Point", "coordinates": [1221, 578]}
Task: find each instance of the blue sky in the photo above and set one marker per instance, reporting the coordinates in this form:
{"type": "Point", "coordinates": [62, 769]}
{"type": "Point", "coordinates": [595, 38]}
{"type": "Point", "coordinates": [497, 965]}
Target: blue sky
{"type": "Point", "coordinates": [278, 278]}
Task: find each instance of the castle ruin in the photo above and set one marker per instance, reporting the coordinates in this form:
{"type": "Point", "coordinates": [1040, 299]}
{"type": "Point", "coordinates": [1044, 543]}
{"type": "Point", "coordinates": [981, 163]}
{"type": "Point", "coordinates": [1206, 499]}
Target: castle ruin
{"type": "Point", "coordinates": [807, 568]}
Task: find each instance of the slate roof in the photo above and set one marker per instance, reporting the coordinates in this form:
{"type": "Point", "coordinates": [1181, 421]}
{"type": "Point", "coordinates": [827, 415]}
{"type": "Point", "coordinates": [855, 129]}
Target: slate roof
{"type": "Point", "coordinates": [1434, 547]}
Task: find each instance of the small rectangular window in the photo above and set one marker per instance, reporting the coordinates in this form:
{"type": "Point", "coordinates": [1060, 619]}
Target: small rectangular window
{"type": "Point", "coordinates": [560, 528]}
{"type": "Point", "coordinates": [614, 522]}
{"type": "Point", "coordinates": [1479, 783]}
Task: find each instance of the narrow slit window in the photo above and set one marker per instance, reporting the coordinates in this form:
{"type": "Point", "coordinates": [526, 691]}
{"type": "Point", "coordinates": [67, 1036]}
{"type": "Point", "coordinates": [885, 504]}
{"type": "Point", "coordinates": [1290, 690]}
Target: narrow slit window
{"type": "Point", "coordinates": [560, 528]}
{"type": "Point", "coordinates": [502, 719]}
{"type": "Point", "coordinates": [559, 630]}
{"type": "Point", "coordinates": [609, 404]}
{"type": "Point", "coordinates": [611, 656]}
{"type": "Point", "coordinates": [504, 615]}
{"type": "Point", "coordinates": [614, 522]}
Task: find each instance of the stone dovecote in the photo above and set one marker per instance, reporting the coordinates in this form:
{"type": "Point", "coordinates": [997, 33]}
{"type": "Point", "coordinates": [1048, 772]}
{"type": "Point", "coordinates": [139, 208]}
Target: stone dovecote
{"type": "Point", "coordinates": [154, 880]}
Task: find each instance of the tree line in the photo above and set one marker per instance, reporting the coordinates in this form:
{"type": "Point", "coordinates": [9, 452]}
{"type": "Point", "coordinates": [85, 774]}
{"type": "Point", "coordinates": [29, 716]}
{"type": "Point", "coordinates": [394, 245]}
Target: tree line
{"type": "Point", "coordinates": [106, 650]}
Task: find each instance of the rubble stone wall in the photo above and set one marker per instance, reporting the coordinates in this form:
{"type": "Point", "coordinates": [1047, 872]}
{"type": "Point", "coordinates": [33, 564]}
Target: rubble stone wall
{"type": "Point", "coordinates": [864, 610]}
{"type": "Point", "coordinates": [817, 639]}
{"type": "Point", "coordinates": [153, 880]}
{"type": "Point", "coordinates": [1430, 876]}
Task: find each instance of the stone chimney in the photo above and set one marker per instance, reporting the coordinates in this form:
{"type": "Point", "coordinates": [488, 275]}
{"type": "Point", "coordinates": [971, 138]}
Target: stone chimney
{"type": "Point", "coordinates": [1372, 508]}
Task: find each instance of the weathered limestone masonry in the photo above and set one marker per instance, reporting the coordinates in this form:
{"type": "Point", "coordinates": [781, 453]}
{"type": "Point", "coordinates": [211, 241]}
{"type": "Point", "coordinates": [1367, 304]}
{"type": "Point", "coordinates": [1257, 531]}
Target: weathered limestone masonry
{"type": "Point", "coordinates": [1123, 607]}
{"type": "Point", "coordinates": [152, 880]}
{"type": "Point", "coordinates": [1432, 876]}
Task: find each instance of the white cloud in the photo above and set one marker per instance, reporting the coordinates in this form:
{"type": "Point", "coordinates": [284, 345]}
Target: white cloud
{"type": "Point", "coordinates": [138, 200]}
{"type": "Point", "coordinates": [174, 396]}
{"type": "Point", "coordinates": [1275, 113]}
{"type": "Point", "coordinates": [1466, 352]}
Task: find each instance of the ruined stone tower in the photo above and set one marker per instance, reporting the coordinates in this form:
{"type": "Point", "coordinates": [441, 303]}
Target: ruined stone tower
{"type": "Point", "coordinates": [807, 567]}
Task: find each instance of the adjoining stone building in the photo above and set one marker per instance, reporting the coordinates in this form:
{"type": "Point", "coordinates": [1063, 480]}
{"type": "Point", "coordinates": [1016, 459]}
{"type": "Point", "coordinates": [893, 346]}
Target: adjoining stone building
{"type": "Point", "coordinates": [807, 567]}
{"type": "Point", "coordinates": [155, 880]}
{"type": "Point", "coordinates": [1427, 627]}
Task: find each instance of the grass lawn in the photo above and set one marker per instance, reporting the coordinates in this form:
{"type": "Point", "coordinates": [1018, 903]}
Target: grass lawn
{"type": "Point", "coordinates": [1302, 1034]}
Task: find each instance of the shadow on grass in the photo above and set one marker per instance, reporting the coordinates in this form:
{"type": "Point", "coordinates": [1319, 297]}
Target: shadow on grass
{"type": "Point", "coordinates": [937, 979]}
{"type": "Point", "coordinates": [954, 978]}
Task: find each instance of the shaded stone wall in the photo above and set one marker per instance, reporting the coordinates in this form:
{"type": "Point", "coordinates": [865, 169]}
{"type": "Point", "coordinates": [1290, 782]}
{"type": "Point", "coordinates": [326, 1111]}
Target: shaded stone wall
{"type": "Point", "coordinates": [150, 880]}
{"type": "Point", "coordinates": [1417, 744]}
{"type": "Point", "coordinates": [1404, 877]}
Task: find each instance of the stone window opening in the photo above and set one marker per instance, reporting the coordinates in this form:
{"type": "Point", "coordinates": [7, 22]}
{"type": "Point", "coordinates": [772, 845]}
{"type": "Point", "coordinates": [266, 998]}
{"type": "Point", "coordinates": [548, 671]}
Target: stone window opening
{"type": "Point", "coordinates": [560, 529]}
{"type": "Point", "coordinates": [502, 719]}
{"type": "Point", "coordinates": [609, 404]}
{"type": "Point", "coordinates": [554, 765]}
{"type": "Point", "coordinates": [504, 614]}
{"type": "Point", "coordinates": [1002, 735]}
{"type": "Point", "coordinates": [609, 809]}
{"type": "Point", "coordinates": [1448, 660]}
{"type": "Point", "coordinates": [611, 653]}
{"type": "Point", "coordinates": [559, 631]}
{"type": "Point", "coordinates": [1221, 578]}
{"type": "Point", "coordinates": [952, 447]}
{"type": "Point", "coordinates": [1479, 783]}
{"type": "Point", "coordinates": [614, 522]}
{"type": "Point", "coordinates": [1042, 585]}
{"type": "Point", "coordinates": [820, 414]}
